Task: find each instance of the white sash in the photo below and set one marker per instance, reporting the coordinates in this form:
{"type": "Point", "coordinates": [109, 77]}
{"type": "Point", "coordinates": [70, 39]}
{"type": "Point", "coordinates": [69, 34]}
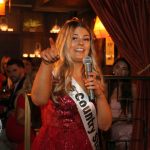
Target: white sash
{"type": "Point", "coordinates": [87, 112]}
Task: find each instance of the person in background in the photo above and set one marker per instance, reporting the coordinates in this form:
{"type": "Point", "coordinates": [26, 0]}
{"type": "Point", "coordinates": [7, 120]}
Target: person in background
{"type": "Point", "coordinates": [6, 82]}
{"type": "Point", "coordinates": [70, 119]}
{"type": "Point", "coordinates": [27, 64]}
{"type": "Point", "coordinates": [5, 90]}
{"type": "Point", "coordinates": [2, 78]}
{"type": "Point", "coordinates": [121, 96]}
{"type": "Point", "coordinates": [15, 122]}
{"type": "Point", "coordinates": [29, 72]}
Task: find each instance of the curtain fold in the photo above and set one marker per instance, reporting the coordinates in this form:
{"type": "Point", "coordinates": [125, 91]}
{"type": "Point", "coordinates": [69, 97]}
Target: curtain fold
{"type": "Point", "coordinates": [127, 22]}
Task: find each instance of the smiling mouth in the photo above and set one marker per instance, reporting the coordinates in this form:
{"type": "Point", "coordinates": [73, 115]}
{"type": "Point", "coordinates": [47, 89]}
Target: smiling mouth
{"type": "Point", "coordinates": [79, 49]}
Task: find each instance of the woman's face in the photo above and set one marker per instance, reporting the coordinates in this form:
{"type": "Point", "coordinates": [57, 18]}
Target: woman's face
{"type": "Point", "coordinates": [80, 44]}
{"type": "Point", "coordinates": [4, 63]}
{"type": "Point", "coordinates": [121, 69]}
{"type": "Point", "coordinates": [27, 66]}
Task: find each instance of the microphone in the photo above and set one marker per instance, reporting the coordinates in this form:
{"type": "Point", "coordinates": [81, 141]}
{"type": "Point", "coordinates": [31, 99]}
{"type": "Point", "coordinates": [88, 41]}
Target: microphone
{"type": "Point", "coordinates": [87, 61]}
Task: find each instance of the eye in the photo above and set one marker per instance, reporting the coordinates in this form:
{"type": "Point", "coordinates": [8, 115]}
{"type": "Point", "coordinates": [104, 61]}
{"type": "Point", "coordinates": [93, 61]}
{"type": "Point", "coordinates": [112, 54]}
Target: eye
{"type": "Point", "coordinates": [74, 38]}
{"type": "Point", "coordinates": [86, 39]}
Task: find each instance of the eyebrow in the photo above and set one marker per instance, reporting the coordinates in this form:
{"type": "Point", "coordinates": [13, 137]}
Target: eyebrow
{"type": "Point", "coordinates": [124, 67]}
{"type": "Point", "coordinates": [83, 35]}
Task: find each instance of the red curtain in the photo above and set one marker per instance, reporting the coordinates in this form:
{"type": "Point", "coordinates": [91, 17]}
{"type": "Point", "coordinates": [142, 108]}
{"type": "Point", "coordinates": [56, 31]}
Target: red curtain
{"type": "Point", "coordinates": [128, 23]}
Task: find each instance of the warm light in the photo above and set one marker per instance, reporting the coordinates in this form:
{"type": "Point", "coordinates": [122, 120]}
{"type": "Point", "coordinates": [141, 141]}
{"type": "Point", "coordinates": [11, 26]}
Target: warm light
{"type": "Point", "coordinates": [2, 7]}
{"type": "Point", "coordinates": [37, 53]}
{"type": "Point", "coordinates": [99, 29]}
{"type": "Point", "coordinates": [25, 55]}
{"type": "Point", "coordinates": [32, 55]}
{"type": "Point", "coordinates": [10, 29]}
{"type": "Point", "coordinates": [109, 54]}
{"type": "Point", "coordinates": [55, 29]}
{"type": "Point", "coordinates": [3, 27]}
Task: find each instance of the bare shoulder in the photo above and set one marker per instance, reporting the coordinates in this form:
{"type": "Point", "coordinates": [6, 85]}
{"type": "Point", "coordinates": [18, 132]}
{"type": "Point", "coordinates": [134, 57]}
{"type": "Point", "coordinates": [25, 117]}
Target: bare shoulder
{"type": "Point", "coordinates": [134, 90]}
{"type": "Point", "coordinates": [134, 86]}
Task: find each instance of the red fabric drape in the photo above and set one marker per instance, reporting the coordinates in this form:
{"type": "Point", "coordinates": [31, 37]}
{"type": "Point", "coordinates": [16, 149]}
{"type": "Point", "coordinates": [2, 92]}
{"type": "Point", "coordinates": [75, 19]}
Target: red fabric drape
{"type": "Point", "coordinates": [127, 21]}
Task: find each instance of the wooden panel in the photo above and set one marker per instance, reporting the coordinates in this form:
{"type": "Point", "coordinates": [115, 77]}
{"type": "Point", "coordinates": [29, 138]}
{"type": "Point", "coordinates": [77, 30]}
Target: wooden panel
{"type": "Point", "coordinates": [10, 45]}
{"type": "Point", "coordinates": [62, 5]}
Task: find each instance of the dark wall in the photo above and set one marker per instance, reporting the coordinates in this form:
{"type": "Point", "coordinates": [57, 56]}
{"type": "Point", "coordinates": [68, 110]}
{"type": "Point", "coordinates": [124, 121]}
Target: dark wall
{"type": "Point", "coordinates": [10, 45]}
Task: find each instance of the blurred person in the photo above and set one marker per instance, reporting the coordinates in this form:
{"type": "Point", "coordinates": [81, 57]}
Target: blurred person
{"type": "Point", "coordinates": [70, 119]}
{"type": "Point", "coordinates": [30, 73]}
{"type": "Point", "coordinates": [5, 89]}
{"type": "Point", "coordinates": [2, 79]}
{"type": "Point", "coordinates": [121, 97]}
{"type": "Point", "coordinates": [15, 122]}
{"type": "Point", "coordinates": [6, 82]}
{"type": "Point", "coordinates": [4, 61]}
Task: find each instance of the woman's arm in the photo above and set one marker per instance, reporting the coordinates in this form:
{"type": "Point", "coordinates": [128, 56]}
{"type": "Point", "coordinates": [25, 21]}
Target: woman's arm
{"type": "Point", "coordinates": [20, 116]}
{"type": "Point", "coordinates": [42, 84]}
{"type": "Point", "coordinates": [134, 98]}
{"type": "Point", "coordinates": [134, 91]}
{"type": "Point", "coordinates": [104, 115]}
{"type": "Point", "coordinates": [20, 109]}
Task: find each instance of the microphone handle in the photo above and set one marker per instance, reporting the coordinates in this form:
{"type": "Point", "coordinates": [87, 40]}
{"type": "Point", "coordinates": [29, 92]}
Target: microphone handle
{"type": "Point", "coordinates": [88, 68]}
{"type": "Point", "coordinates": [91, 95]}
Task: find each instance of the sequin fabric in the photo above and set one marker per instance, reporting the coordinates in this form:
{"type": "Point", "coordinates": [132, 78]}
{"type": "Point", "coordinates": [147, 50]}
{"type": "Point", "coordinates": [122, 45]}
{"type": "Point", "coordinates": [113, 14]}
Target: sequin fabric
{"type": "Point", "coordinates": [62, 127]}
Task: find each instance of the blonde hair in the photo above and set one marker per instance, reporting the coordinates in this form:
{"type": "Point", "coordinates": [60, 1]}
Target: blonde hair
{"type": "Point", "coordinates": [62, 68]}
{"type": "Point", "coordinates": [4, 61]}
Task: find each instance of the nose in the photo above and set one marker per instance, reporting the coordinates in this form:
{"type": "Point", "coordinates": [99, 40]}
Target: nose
{"type": "Point", "coordinates": [80, 41]}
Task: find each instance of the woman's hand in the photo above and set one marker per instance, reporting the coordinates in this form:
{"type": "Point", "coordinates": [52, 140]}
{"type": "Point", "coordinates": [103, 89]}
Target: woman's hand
{"type": "Point", "coordinates": [50, 55]}
{"type": "Point", "coordinates": [104, 115]}
{"type": "Point", "coordinates": [93, 83]}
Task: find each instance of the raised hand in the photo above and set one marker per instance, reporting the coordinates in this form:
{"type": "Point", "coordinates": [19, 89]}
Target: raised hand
{"type": "Point", "coordinates": [50, 55]}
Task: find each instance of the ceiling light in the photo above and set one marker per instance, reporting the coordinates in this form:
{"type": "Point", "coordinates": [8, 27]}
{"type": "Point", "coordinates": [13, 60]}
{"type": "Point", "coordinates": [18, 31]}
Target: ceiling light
{"type": "Point", "coordinates": [2, 7]}
{"type": "Point", "coordinates": [55, 29]}
{"type": "Point", "coordinates": [99, 29]}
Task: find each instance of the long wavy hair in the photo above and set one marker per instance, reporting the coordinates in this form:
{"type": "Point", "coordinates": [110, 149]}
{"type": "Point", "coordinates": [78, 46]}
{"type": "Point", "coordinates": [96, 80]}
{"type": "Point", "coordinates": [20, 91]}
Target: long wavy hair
{"type": "Point", "coordinates": [4, 61]}
{"type": "Point", "coordinates": [63, 67]}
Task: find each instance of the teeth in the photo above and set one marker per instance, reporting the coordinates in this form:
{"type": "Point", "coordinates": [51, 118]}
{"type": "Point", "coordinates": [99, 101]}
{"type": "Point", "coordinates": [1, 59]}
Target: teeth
{"type": "Point", "coordinates": [79, 49]}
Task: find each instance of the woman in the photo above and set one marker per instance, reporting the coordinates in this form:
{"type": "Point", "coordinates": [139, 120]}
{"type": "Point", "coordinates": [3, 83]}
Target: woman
{"type": "Point", "coordinates": [17, 108]}
{"type": "Point", "coordinates": [121, 96]}
{"type": "Point", "coordinates": [15, 126]}
{"type": "Point", "coordinates": [29, 72]}
{"type": "Point", "coordinates": [6, 83]}
{"type": "Point", "coordinates": [69, 118]}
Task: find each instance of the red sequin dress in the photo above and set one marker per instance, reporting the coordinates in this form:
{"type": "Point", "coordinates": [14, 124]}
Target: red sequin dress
{"type": "Point", "coordinates": [62, 128]}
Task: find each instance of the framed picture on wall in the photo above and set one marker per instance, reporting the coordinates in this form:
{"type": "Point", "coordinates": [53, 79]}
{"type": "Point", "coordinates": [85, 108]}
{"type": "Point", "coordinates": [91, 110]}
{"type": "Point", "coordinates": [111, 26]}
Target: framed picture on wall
{"type": "Point", "coordinates": [32, 22]}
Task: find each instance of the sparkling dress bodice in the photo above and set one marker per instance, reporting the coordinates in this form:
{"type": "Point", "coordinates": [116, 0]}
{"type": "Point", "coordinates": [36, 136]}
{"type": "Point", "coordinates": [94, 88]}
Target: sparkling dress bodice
{"type": "Point", "coordinates": [62, 127]}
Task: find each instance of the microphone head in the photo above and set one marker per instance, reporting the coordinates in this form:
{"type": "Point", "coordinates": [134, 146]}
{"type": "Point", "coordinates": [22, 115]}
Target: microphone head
{"type": "Point", "coordinates": [87, 60]}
